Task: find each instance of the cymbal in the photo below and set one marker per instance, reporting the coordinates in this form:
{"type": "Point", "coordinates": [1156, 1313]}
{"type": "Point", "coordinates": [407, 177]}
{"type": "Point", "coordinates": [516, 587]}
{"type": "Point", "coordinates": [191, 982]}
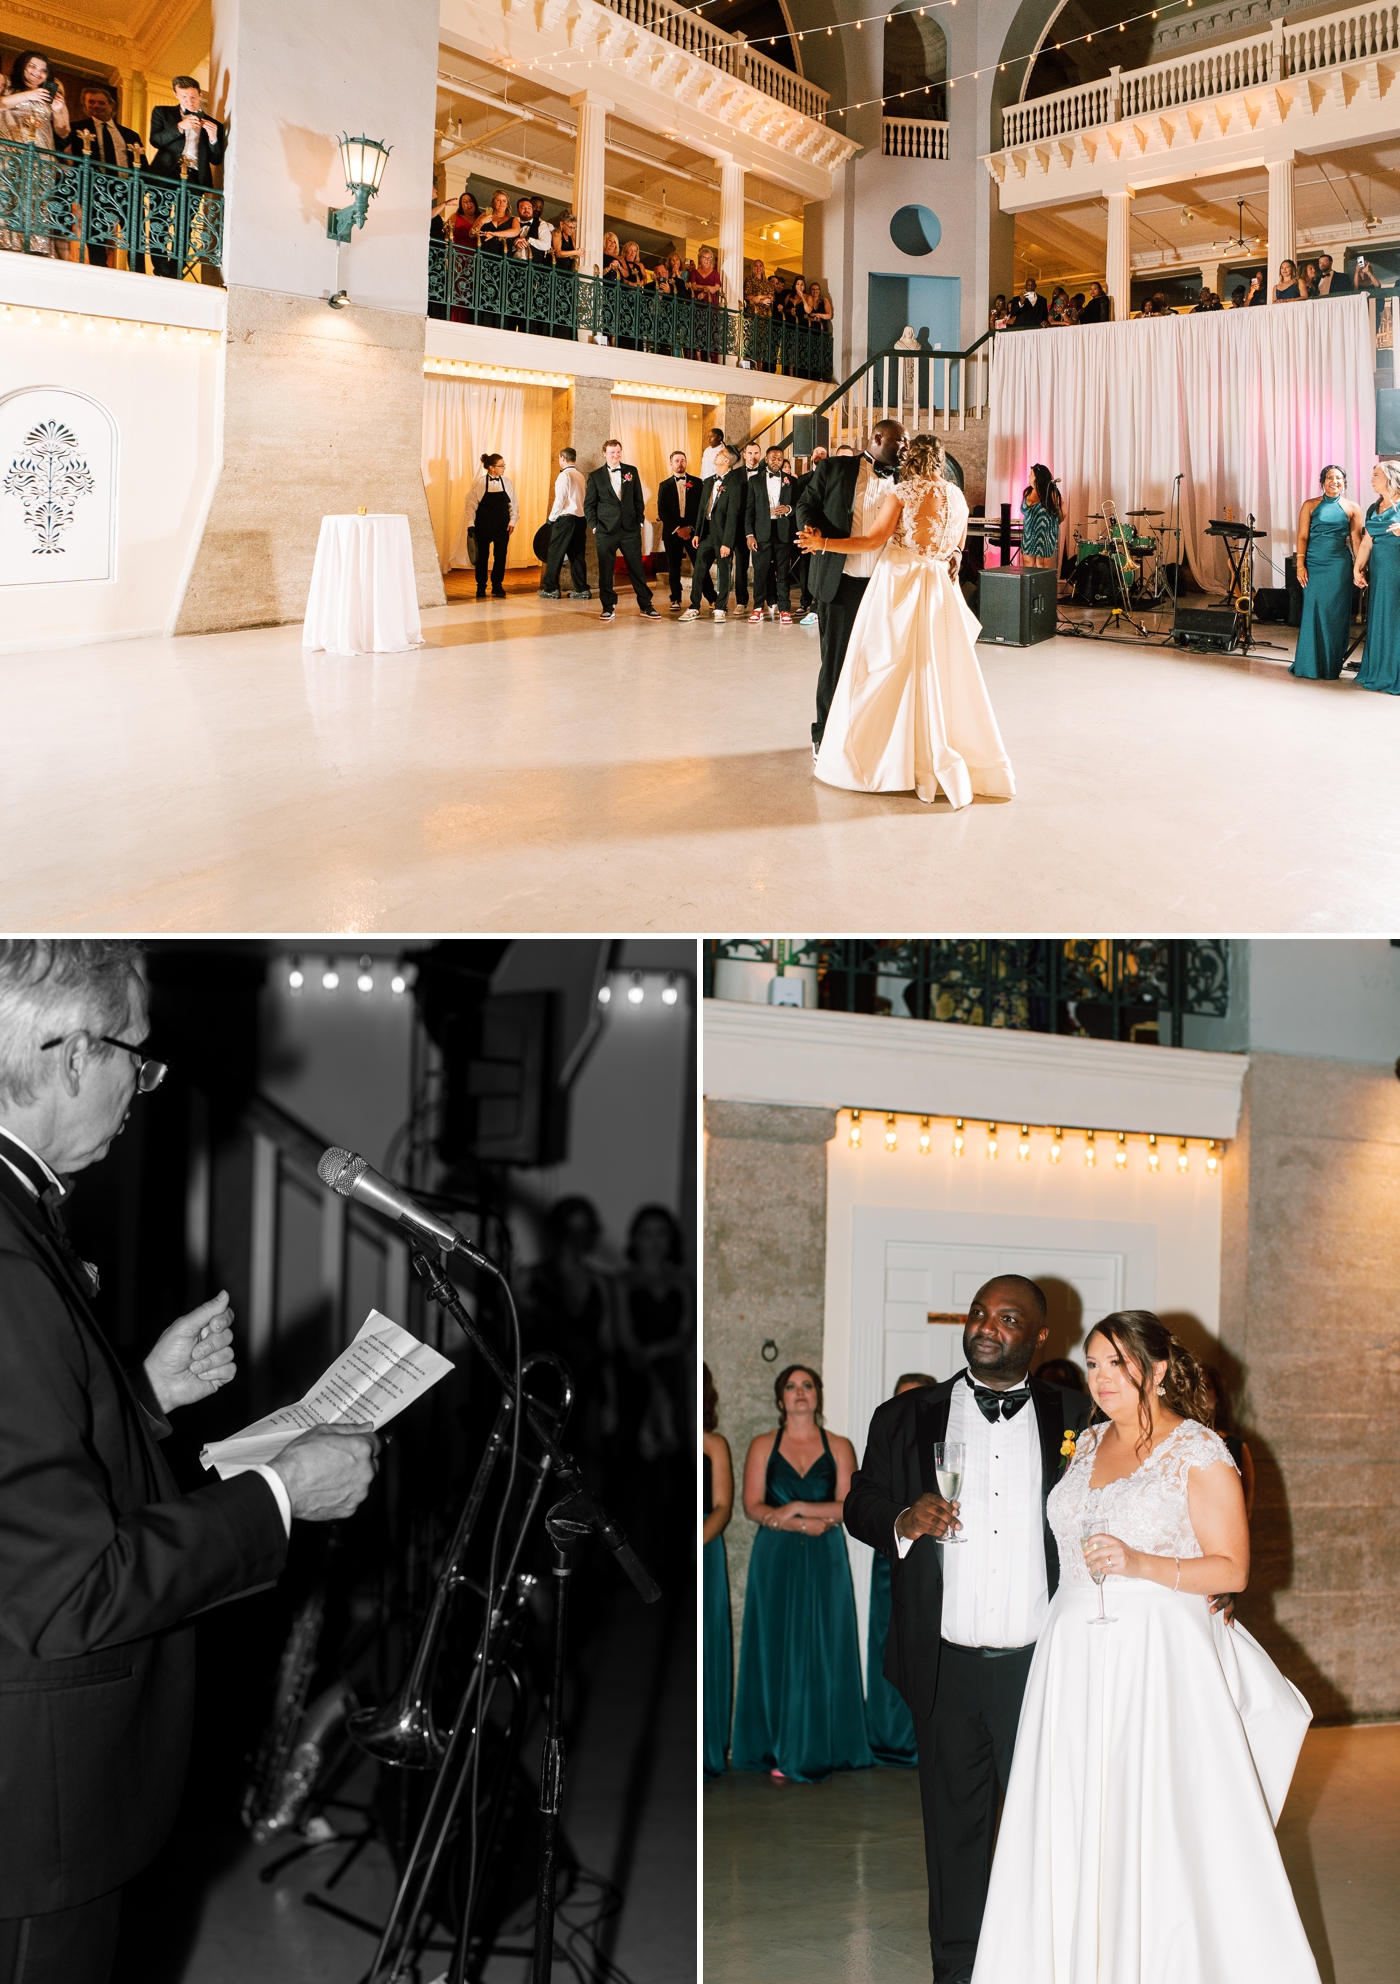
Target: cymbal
{"type": "Point", "coordinates": [1096, 516]}
{"type": "Point", "coordinates": [1147, 513]}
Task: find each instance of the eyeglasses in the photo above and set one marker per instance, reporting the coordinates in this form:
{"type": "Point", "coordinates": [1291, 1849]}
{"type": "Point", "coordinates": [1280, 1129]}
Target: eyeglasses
{"type": "Point", "coordinates": [149, 1074]}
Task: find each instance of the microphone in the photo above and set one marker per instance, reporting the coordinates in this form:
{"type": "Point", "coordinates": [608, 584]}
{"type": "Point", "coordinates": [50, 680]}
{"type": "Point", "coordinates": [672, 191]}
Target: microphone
{"type": "Point", "coordinates": [349, 1175]}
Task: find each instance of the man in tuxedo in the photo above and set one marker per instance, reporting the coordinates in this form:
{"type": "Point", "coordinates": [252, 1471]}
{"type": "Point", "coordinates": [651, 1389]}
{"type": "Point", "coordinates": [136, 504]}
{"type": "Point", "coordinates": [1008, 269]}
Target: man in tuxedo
{"type": "Point", "coordinates": [842, 499]}
{"type": "Point", "coordinates": [740, 476]}
{"type": "Point", "coordinates": [806, 605]}
{"type": "Point", "coordinates": [964, 1620]}
{"type": "Point", "coordinates": [183, 132]}
{"type": "Point", "coordinates": [103, 1560]}
{"type": "Point", "coordinates": [97, 135]}
{"type": "Point", "coordinates": [770, 524]}
{"type": "Point", "coordinates": [1031, 310]}
{"type": "Point", "coordinates": [717, 529]}
{"type": "Point", "coordinates": [1330, 281]}
{"type": "Point", "coordinates": [613, 508]}
{"type": "Point", "coordinates": [678, 506]}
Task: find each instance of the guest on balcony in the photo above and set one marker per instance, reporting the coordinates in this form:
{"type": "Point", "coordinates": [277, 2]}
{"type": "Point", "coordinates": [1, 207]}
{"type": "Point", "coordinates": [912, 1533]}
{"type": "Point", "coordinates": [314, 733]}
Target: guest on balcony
{"type": "Point", "coordinates": [758, 292]}
{"type": "Point", "coordinates": [437, 232]}
{"type": "Point", "coordinates": [98, 136]}
{"type": "Point", "coordinates": [1099, 308]}
{"type": "Point", "coordinates": [464, 245]}
{"type": "Point", "coordinates": [1330, 281]}
{"type": "Point", "coordinates": [999, 316]}
{"type": "Point", "coordinates": [1310, 278]}
{"type": "Point", "coordinates": [186, 144]}
{"type": "Point", "coordinates": [1256, 292]}
{"type": "Point", "coordinates": [706, 288]}
{"type": "Point", "coordinates": [495, 231]}
{"type": "Point", "coordinates": [32, 112]}
{"type": "Point", "coordinates": [1032, 311]}
{"type": "Point", "coordinates": [1287, 289]}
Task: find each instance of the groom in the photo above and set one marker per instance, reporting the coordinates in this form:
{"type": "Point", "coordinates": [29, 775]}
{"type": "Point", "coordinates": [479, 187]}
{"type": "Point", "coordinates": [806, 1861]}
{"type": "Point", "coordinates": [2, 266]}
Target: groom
{"type": "Point", "coordinates": [841, 499]}
{"type": "Point", "coordinates": [964, 1619]}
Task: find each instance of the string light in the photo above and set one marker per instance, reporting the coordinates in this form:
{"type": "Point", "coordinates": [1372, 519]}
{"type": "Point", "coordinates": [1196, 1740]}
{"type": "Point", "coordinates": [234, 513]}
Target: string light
{"type": "Point", "coordinates": [1212, 1157]}
{"type": "Point", "coordinates": [992, 1140]}
{"type": "Point", "coordinates": [891, 1133]}
{"type": "Point", "coordinates": [605, 995]}
{"type": "Point", "coordinates": [1090, 1154]}
{"type": "Point", "coordinates": [855, 1129]}
{"type": "Point", "coordinates": [669, 992]}
{"type": "Point", "coordinates": [635, 991]}
{"type": "Point", "coordinates": [365, 981]}
{"type": "Point", "coordinates": [958, 1137]}
{"type": "Point", "coordinates": [1056, 1145]}
{"type": "Point", "coordinates": [1121, 1142]}
{"type": "Point", "coordinates": [1023, 1148]}
{"type": "Point", "coordinates": [1120, 1156]}
{"type": "Point", "coordinates": [1183, 1160]}
{"type": "Point", "coordinates": [1154, 1156]}
{"type": "Point", "coordinates": [925, 1137]}
{"type": "Point", "coordinates": [330, 977]}
{"type": "Point", "coordinates": [398, 985]}
{"type": "Point", "coordinates": [296, 977]}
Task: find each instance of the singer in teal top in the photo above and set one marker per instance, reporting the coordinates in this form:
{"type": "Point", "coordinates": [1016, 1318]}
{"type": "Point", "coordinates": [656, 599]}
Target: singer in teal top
{"type": "Point", "coordinates": [1329, 536]}
{"type": "Point", "coordinates": [718, 1694]}
{"type": "Point", "coordinates": [1378, 569]}
{"type": "Point", "coordinates": [798, 1712]}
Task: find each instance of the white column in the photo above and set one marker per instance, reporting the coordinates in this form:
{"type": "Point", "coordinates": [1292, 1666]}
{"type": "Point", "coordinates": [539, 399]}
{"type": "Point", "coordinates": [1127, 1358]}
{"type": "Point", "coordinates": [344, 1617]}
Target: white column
{"type": "Point", "coordinates": [731, 229]}
{"type": "Point", "coordinates": [590, 165]}
{"type": "Point", "coordinates": [1117, 262]}
{"type": "Point", "coordinates": [1210, 276]}
{"type": "Point", "coordinates": [1280, 216]}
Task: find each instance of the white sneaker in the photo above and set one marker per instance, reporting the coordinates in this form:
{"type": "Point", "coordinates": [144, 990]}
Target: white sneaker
{"type": "Point", "coordinates": [808, 620]}
{"type": "Point", "coordinates": [691, 613]}
{"type": "Point", "coordinates": [720, 614]}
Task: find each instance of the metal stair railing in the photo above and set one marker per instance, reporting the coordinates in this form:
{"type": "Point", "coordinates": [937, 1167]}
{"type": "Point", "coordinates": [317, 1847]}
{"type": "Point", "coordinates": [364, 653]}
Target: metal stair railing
{"type": "Point", "coordinates": [912, 387]}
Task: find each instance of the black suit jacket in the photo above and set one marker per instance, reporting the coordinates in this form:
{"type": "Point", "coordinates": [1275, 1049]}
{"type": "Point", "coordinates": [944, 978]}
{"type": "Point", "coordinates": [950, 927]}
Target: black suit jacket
{"type": "Point", "coordinates": [1342, 285]}
{"type": "Point", "coordinates": [102, 1564]}
{"type": "Point", "coordinates": [668, 506]}
{"type": "Point", "coordinates": [897, 1469]}
{"type": "Point", "coordinates": [759, 521]}
{"type": "Point", "coordinates": [1030, 316]}
{"type": "Point", "coordinates": [1098, 310]}
{"type": "Point", "coordinates": [614, 515]}
{"type": "Point", "coordinates": [168, 145]}
{"type": "Point", "coordinates": [826, 504]}
{"type": "Point", "coordinates": [104, 150]}
{"type": "Point", "coordinates": [723, 526]}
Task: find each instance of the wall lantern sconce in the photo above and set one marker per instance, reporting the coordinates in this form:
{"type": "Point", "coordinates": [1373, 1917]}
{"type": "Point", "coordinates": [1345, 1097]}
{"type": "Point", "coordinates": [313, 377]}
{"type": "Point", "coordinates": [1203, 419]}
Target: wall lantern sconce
{"type": "Point", "coordinates": [363, 161]}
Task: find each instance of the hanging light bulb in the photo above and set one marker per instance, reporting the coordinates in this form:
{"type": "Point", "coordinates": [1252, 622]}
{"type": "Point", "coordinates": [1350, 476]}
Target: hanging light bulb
{"type": "Point", "coordinates": [991, 1140]}
{"type": "Point", "coordinates": [958, 1139]}
{"type": "Point", "coordinates": [1212, 1157]}
{"type": "Point", "coordinates": [669, 991]}
{"type": "Point", "coordinates": [1120, 1155]}
{"type": "Point", "coordinates": [296, 977]}
{"type": "Point", "coordinates": [1023, 1148]}
{"type": "Point", "coordinates": [1055, 1145]}
{"type": "Point", "coordinates": [855, 1129]}
{"type": "Point", "coordinates": [1154, 1156]}
{"type": "Point", "coordinates": [1183, 1161]}
{"type": "Point", "coordinates": [398, 985]}
{"type": "Point", "coordinates": [635, 993]}
{"type": "Point", "coordinates": [605, 995]}
{"type": "Point", "coordinates": [1091, 1156]}
{"type": "Point", "coordinates": [330, 977]}
{"type": "Point", "coordinates": [891, 1131]}
{"type": "Point", "coordinates": [925, 1137]}
{"type": "Point", "coordinates": [365, 981]}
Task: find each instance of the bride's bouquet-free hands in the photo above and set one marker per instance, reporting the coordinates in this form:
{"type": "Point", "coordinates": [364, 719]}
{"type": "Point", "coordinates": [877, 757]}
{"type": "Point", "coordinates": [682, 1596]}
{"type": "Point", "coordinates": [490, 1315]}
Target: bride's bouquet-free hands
{"type": "Point", "coordinates": [1109, 1556]}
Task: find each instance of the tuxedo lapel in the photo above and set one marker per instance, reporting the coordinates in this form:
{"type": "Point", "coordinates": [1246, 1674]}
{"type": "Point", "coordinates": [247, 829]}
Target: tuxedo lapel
{"type": "Point", "coordinates": [1048, 1417]}
{"type": "Point", "coordinates": [935, 1403]}
{"type": "Point", "coordinates": [862, 482]}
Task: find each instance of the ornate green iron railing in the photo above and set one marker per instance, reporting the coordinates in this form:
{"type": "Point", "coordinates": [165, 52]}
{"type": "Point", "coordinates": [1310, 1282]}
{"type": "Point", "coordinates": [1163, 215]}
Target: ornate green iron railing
{"type": "Point", "coordinates": [474, 286]}
{"type": "Point", "coordinates": [1110, 988]}
{"type": "Point", "coordinates": [49, 196]}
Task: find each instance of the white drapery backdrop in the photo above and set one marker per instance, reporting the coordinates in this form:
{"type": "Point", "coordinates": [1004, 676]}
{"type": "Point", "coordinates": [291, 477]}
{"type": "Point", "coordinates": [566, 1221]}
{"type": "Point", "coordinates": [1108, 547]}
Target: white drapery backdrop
{"type": "Point", "coordinates": [1248, 405]}
{"type": "Point", "coordinates": [650, 432]}
{"type": "Point", "coordinates": [463, 419]}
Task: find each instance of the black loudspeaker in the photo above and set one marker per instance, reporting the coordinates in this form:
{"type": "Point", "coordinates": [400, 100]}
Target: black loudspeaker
{"type": "Point", "coordinates": [1295, 591]}
{"type": "Point", "coordinates": [1271, 605]}
{"type": "Point", "coordinates": [1205, 627]}
{"type": "Point", "coordinates": [1388, 420]}
{"type": "Point", "coordinates": [808, 432]}
{"type": "Point", "coordinates": [1017, 609]}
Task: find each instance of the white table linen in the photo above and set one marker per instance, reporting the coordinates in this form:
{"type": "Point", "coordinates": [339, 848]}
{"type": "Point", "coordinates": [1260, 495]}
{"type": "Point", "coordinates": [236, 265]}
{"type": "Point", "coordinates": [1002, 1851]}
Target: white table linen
{"type": "Point", "coordinates": [364, 595]}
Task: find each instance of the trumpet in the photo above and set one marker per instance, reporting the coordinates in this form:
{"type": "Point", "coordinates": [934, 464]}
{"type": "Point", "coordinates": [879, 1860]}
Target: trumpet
{"type": "Point", "coordinates": [402, 1731]}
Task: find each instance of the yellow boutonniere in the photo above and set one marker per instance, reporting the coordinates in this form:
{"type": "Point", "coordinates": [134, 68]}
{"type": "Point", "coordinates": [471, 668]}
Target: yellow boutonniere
{"type": "Point", "coordinates": [1067, 1450]}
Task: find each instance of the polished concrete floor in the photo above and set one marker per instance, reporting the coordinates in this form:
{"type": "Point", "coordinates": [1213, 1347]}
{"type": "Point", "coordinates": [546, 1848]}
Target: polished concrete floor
{"type": "Point", "coordinates": [826, 1882]}
{"type": "Point", "coordinates": [532, 769]}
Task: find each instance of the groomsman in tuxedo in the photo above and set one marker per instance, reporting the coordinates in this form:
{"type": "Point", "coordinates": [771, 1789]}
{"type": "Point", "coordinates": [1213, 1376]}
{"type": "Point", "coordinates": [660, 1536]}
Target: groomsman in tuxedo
{"type": "Point", "coordinates": [678, 506]}
{"type": "Point", "coordinates": [719, 527]}
{"type": "Point", "coordinates": [613, 507]}
{"type": "Point", "coordinates": [770, 522]}
{"type": "Point", "coordinates": [964, 1620]}
{"type": "Point", "coordinates": [740, 478]}
{"type": "Point", "coordinates": [842, 499]}
{"type": "Point", "coordinates": [98, 136]}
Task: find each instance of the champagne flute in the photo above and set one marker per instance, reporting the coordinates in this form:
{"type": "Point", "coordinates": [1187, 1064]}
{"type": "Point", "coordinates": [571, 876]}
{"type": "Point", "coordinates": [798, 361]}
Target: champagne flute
{"type": "Point", "coordinates": [1089, 1530]}
{"type": "Point", "coordinates": [948, 1462]}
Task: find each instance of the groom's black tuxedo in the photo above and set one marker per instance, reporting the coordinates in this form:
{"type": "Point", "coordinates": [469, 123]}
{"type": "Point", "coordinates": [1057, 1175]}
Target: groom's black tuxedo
{"type": "Point", "coordinates": [827, 504]}
{"type": "Point", "coordinates": [965, 1701]}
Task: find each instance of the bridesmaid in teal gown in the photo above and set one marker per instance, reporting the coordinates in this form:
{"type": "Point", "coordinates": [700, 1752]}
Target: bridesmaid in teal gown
{"type": "Point", "coordinates": [1330, 528]}
{"type": "Point", "coordinates": [888, 1723]}
{"type": "Point", "coordinates": [1378, 569]}
{"type": "Point", "coordinates": [798, 1712]}
{"type": "Point", "coordinates": [718, 1631]}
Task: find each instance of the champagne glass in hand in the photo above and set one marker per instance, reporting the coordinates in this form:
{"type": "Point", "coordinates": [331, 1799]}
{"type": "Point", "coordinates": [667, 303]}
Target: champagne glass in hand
{"type": "Point", "coordinates": [1087, 1534]}
{"type": "Point", "coordinates": [948, 1471]}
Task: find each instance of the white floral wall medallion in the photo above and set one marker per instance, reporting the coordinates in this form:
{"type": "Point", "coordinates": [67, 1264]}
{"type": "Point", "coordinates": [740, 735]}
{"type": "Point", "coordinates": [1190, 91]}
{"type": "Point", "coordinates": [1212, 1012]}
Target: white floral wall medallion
{"type": "Point", "coordinates": [58, 488]}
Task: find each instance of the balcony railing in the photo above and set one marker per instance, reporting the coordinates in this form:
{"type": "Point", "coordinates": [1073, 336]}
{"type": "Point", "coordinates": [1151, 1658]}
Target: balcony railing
{"type": "Point", "coordinates": [470, 286]}
{"type": "Point", "coordinates": [914, 137]}
{"type": "Point", "coordinates": [728, 52]}
{"type": "Point", "coordinates": [1356, 35]}
{"type": "Point", "coordinates": [1106, 988]}
{"type": "Point", "coordinates": [48, 197]}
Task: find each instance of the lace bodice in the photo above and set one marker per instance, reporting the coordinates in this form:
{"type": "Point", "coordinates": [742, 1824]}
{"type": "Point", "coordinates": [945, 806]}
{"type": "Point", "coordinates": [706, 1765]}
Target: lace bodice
{"type": "Point", "coordinates": [1146, 1510]}
{"type": "Point", "coordinates": [935, 516]}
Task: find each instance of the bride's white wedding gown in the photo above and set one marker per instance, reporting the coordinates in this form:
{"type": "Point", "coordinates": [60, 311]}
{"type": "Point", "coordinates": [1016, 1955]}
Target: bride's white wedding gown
{"type": "Point", "coordinates": [1152, 1760]}
{"type": "Point", "coordinates": [911, 711]}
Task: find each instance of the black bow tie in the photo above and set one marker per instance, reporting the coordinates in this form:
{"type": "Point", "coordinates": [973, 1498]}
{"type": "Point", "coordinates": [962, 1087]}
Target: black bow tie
{"type": "Point", "coordinates": [880, 468]}
{"type": "Point", "coordinates": [999, 1405]}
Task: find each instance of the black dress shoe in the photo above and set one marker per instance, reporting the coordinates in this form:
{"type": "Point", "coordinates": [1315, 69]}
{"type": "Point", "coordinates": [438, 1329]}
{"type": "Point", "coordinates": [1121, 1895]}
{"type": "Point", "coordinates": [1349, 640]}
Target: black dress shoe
{"type": "Point", "coordinates": [650, 613]}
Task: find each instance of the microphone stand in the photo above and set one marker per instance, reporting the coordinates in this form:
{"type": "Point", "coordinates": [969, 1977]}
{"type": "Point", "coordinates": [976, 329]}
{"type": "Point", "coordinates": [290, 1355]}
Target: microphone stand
{"type": "Point", "coordinates": [568, 1522]}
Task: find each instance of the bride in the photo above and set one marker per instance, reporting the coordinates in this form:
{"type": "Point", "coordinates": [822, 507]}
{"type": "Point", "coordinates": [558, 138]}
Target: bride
{"type": "Point", "coordinates": [1155, 1750]}
{"type": "Point", "coordinates": [911, 710]}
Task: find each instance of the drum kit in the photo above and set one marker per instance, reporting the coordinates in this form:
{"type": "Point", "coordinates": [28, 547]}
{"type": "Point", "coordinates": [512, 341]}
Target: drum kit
{"type": "Point", "coordinates": [1126, 564]}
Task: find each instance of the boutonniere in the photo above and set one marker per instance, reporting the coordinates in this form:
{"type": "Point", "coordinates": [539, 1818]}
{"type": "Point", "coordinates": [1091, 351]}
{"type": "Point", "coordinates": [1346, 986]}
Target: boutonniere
{"type": "Point", "coordinates": [627, 478]}
{"type": "Point", "coordinates": [1067, 1446]}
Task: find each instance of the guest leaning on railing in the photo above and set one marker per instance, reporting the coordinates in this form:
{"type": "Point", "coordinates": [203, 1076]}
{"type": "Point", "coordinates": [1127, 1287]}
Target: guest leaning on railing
{"type": "Point", "coordinates": [32, 112]}
{"type": "Point", "coordinates": [98, 136]}
{"type": "Point", "coordinates": [186, 143]}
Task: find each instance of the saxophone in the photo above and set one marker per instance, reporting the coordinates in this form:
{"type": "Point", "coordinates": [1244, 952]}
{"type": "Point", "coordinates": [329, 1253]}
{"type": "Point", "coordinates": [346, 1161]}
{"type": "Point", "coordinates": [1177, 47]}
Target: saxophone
{"type": "Point", "coordinates": [289, 1755]}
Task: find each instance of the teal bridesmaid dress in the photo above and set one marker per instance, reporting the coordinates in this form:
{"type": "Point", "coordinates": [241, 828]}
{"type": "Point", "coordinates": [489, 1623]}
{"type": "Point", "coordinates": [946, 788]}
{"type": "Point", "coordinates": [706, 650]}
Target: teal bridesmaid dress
{"type": "Point", "coordinates": [1326, 628]}
{"type": "Point", "coordinates": [888, 1723]}
{"type": "Point", "coordinates": [719, 1647]}
{"type": "Point", "coordinates": [1380, 664]}
{"type": "Point", "coordinates": [798, 1707]}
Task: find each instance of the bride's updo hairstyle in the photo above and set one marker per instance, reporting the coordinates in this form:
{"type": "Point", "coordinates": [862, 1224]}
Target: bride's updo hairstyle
{"type": "Point", "coordinates": [1140, 1338]}
{"type": "Point", "coordinates": [925, 460]}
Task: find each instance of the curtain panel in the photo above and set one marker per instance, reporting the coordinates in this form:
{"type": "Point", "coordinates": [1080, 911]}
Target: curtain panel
{"type": "Point", "coordinates": [1247, 406]}
{"type": "Point", "coordinates": [463, 419]}
{"type": "Point", "coordinates": [650, 432]}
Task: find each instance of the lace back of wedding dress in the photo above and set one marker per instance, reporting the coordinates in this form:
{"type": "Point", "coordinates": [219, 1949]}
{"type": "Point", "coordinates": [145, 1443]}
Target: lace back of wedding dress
{"type": "Point", "coordinates": [1147, 1510]}
{"type": "Point", "coordinates": [935, 512]}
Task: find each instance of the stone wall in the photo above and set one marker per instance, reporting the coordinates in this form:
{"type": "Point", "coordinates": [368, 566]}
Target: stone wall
{"type": "Point", "coordinates": [323, 413]}
{"type": "Point", "coordinates": [765, 1273]}
{"type": "Point", "coordinates": [1310, 1323]}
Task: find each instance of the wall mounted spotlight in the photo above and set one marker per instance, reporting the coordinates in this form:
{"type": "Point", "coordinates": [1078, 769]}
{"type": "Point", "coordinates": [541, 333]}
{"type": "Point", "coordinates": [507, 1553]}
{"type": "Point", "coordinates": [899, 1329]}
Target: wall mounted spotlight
{"type": "Point", "coordinates": [363, 162]}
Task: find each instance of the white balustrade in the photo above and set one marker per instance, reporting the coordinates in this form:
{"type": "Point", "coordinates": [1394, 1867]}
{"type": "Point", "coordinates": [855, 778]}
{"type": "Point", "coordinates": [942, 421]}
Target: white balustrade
{"type": "Point", "coordinates": [728, 52]}
{"type": "Point", "coordinates": [914, 137]}
{"type": "Point", "coordinates": [922, 398]}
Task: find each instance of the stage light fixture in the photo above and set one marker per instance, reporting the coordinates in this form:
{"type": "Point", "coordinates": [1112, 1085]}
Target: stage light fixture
{"type": "Point", "coordinates": [605, 995]}
{"type": "Point", "coordinates": [891, 1131]}
{"type": "Point", "coordinates": [855, 1129]}
{"type": "Point", "coordinates": [1154, 1156]}
{"type": "Point", "coordinates": [1183, 1160]}
{"type": "Point", "coordinates": [1091, 1156]}
{"type": "Point", "coordinates": [958, 1138]}
{"type": "Point", "coordinates": [1023, 1148]}
{"type": "Point", "coordinates": [635, 991]}
{"type": "Point", "coordinates": [992, 1143]}
{"type": "Point", "coordinates": [925, 1137]}
{"type": "Point", "coordinates": [1056, 1145]}
{"type": "Point", "coordinates": [669, 991]}
{"type": "Point", "coordinates": [330, 977]}
{"type": "Point", "coordinates": [1120, 1155]}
